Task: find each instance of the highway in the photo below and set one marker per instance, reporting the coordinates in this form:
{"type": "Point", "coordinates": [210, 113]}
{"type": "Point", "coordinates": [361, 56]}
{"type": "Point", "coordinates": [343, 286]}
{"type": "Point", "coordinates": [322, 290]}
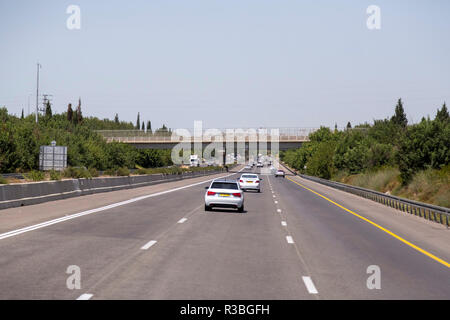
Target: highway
{"type": "Point", "coordinates": [296, 240]}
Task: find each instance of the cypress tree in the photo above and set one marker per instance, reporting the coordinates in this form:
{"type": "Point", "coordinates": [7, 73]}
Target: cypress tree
{"type": "Point", "coordinates": [441, 115]}
{"type": "Point", "coordinates": [399, 118]}
{"type": "Point", "coordinates": [48, 110]}
{"type": "Point", "coordinates": [69, 113]}
{"type": "Point", "coordinates": [149, 126]}
{"type": "Point", "coordinates": [79, 114]}
{"type": "Point", "coordinates": [138, 122]}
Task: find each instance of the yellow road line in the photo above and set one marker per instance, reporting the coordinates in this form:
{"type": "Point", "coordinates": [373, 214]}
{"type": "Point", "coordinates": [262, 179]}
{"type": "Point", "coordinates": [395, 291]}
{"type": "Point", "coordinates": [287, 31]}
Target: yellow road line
{"type": "Point", "coordinates": [445, 263]}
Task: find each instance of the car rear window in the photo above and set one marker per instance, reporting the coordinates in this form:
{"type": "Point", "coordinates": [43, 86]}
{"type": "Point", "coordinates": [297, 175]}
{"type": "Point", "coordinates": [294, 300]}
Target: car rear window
{"type": "Point", "coordinates": [249, 176]}
{"type": "Point", "coordinates": [224, 185]}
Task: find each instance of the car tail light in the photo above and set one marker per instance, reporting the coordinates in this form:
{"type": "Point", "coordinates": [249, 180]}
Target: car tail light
{"type": "Point", "coordinates": [241, 180]}
{"type": "Point", "coordinates": [210, 193]}
{"type": "Point", "coordinates": [237, 195]}
{"type": "Point", "coordinates": [257, 181]}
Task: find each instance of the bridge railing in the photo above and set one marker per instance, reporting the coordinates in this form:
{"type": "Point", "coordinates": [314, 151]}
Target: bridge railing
{"type": "Point", "coordinates": [138, 136]}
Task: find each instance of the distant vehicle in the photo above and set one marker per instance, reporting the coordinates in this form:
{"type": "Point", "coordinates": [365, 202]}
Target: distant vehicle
{"type": "Point", "coordinates": [224, 193]}
{"type": "Point", "coordinates": [248, 167]}
{"type": "Point", "coordinates": [194, 162]}
{"type": "Point", "coordinates": [280, 173]}
{"type": "Point", "coordinates": [260, 165]}
{"type": "Point", "coordinates": [249, 181]}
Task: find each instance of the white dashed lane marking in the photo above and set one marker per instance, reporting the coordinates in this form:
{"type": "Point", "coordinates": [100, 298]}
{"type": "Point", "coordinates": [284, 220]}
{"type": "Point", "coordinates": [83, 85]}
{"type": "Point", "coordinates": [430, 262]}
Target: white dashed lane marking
{"type": "Point", "coordinates": [149, 244]}
{"type": "Point", "coordinates": [85, 296]}
{"type": "Point", "coordinates": [289, 239]}
{"type": "Point", "coordinates": [310, 285]}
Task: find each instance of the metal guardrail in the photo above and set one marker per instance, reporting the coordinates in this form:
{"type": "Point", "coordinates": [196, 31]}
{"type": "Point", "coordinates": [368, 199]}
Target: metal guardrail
{"type": "Point", "coordinates": [420, 209]}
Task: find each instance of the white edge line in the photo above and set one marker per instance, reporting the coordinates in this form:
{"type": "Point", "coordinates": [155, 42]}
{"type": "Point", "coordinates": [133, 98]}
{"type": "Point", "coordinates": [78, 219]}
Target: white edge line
{"type": "Point", "coordinates": [85, 296]}
{"type": "Point", "coordinates": [80, 214]}
{"type": "Point", "coordinates": [149, 244]}
{"type": "Point", "coordinates": [310, 285]}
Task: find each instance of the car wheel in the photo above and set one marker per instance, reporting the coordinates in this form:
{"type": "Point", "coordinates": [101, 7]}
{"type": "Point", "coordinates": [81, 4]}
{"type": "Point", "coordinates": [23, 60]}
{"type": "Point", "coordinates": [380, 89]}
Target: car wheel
{"type": "Point", "coordinates": [259, 190]}
{"type": "Point", "coordinates": [207, 208]}
{"type": "Point", "coordinates": [241, 209]}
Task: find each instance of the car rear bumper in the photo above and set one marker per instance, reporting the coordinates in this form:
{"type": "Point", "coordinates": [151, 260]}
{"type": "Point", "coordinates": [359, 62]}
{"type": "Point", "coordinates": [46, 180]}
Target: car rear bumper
{"type": "Point", "coordinates": [249, 186]}
{"type": "Point", "coordinates": [232, 202]}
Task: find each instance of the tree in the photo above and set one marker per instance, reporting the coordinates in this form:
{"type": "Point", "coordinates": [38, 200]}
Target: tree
{"type": "Point", "coordinates": [79, 114]}
{"type": "Point", "coordinates": [143, 126]}
{"type": "Point", "coordinates": [116, 118]}
{"type": "Point", "coordinates": [149, 126]}
{"type": "Point", "coordinates": [48, 110]}
{"type": "Point", "coordinates": [441, 115]}
{"type": "Point", "coordinates": [22, 115]}
{"type": "Point", "coordinates": [69, 112]}
{"type": "Point", "coordinates": [399, 118]}
{"type": "Point", "coordinates": [349, 125]}
{"type": "Point", "coordinates": [138, 122]}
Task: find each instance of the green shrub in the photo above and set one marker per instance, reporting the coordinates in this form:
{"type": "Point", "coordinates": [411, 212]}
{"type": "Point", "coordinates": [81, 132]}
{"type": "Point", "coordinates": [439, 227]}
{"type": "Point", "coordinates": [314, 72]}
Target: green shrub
{"type": "Point", "coordinates": [35, 175]}
{"type": "Point", "coordinates": [76, 173]}
{"type": "Point", "coordinates": [3, 180]}
{"type": "Point", "coordinates": [123, 171]}
{"type": "Point", "coordinates": [93, 172]}
{"type": "Point", "coordinates": [55, 175]}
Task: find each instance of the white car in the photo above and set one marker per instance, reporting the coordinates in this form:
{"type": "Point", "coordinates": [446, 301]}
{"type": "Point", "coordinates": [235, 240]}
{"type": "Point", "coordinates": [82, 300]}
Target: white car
{"type": "Point", "coordinates": [224, 193]}
{"type": "Point", "coordinates": [259, 165]}
{"type": "Point", "coordinates": [280, 173]}
{"type": "Point", "coordinates": [250, 181]}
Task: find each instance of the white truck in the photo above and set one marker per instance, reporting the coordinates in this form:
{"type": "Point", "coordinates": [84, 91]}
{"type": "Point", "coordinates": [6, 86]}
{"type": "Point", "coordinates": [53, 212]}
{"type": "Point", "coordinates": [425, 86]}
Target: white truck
{"type": "Point", "coordinates": [194, 162]}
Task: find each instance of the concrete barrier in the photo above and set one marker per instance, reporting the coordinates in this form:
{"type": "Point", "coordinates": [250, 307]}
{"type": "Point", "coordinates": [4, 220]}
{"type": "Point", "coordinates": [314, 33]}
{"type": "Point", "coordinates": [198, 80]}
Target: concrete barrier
{"type": "Point", "coordinates": [16, 195]}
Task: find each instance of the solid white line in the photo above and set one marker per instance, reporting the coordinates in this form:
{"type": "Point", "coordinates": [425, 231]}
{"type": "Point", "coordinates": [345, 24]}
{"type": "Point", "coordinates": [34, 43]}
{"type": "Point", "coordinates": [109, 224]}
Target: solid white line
{"type": "Point", "coordinates": [84, 213]}
{"type": "Point", "coordinates": [283, 223]}
{"type": "Point", "coordinates": [149, 244]}
{"type": "Point", "coordinates": [85, 296]}
{"type": "Point", "coordinates": [310, 285]}
{"type": "Point", "coordinates": [289, 239]}
{"type": "Point", "coordinates": [182, 220]}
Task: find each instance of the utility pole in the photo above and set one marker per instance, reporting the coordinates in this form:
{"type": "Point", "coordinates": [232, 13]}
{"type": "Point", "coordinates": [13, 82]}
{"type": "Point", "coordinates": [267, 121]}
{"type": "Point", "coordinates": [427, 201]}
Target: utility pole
{"type": "Point", "coordinates": [29, 96]}
{"type": "Point", "coordinates": [37, 92]}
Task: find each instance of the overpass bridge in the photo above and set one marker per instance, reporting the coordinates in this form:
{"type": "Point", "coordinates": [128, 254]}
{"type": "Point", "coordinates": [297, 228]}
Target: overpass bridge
{"type": "Point", "coordinates": [264, 138]}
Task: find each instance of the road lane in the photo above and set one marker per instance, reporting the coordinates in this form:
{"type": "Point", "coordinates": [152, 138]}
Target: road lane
{"type": "Point", "coordinates": [33, 264]}
{"type": "Point", "coordinates": [216, 255]}
{"type": "Point", "coordinates": [339, 247]}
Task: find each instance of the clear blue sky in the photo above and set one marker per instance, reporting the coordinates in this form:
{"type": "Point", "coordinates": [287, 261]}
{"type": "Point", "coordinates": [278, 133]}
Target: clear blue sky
{"type": "Point", "coordinates": [230, 63]}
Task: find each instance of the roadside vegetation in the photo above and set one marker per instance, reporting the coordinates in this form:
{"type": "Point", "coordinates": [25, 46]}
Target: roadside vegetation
{"type": "Point", "coordinates": [21, 137]}
{"type": "Point", "coordinates": [389, 155]}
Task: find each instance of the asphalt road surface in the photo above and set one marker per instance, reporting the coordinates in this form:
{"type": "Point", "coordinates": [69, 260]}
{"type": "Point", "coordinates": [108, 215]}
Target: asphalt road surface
{"type": "Point", "coordinates": [158, 243]}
